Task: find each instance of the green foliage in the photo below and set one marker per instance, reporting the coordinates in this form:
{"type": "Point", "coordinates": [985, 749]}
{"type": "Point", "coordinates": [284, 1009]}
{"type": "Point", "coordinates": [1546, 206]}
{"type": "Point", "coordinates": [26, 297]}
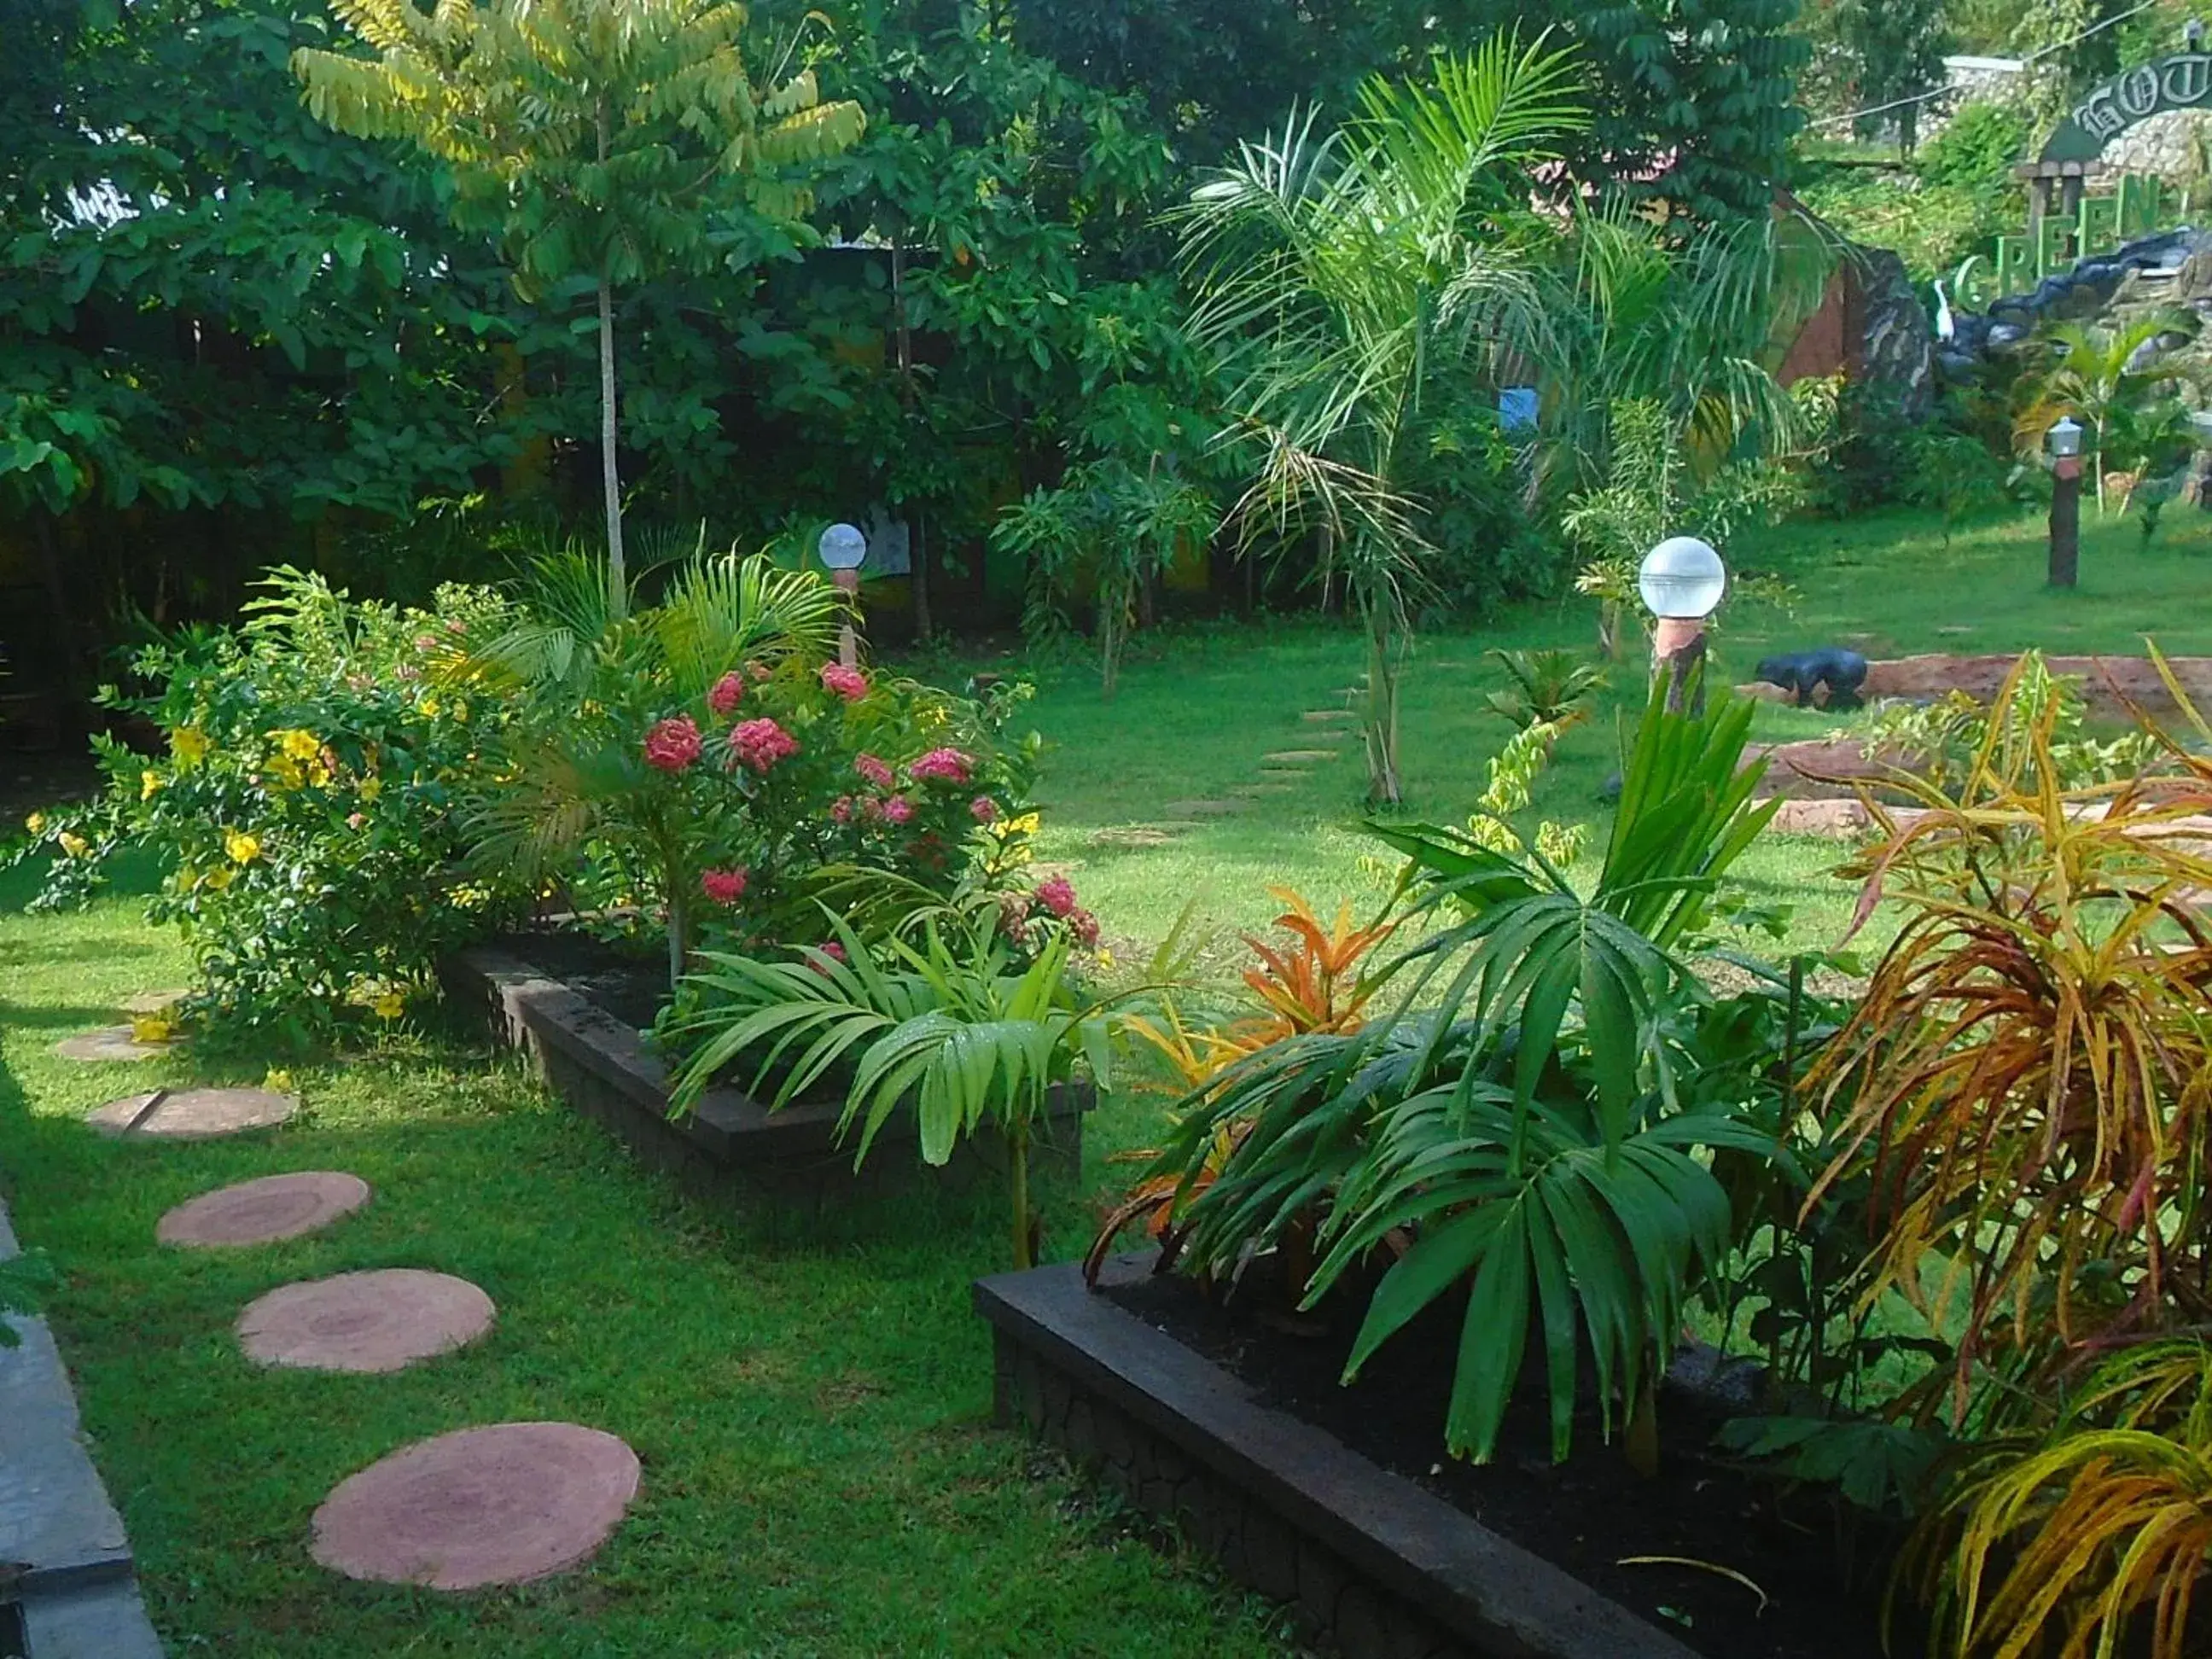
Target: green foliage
{"type": "Point", "coordinates": [1978, 148]}
{"type": "Point", "coordinates": [25, 1279]}
{"type": "Point", "coordinates": [658, 751]}
{"type": "Point", "coordinates": [1550, 688]}
{"type": "Point", "coordinates": [308, 809]}
{"type": "Point", "coordinates": [1524, 1114]}
{"type": "Point", "coordinates": [2110, 381]}
{"type": "Point", "coordinates": [1896, 50]}
{"type": "Point", "coordinates": [1940, 742]}
{"type": "Point", "coordinates": [971, 1019]}
{"type": "Point", "coordinates": [604, 138]}
{"type": "Point", "coordinates": [1357, 282]}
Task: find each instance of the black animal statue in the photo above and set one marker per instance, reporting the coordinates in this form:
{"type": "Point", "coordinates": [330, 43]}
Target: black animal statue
{"type": "Point", "coordinates": [1842, 671]}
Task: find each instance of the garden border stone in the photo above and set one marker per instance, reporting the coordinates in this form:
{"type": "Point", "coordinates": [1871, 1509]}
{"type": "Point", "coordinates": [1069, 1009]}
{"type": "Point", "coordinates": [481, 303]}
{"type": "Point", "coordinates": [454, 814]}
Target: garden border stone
{"type": "Point", "coordinates": [1383, 1569]}
{"type": "Point", "coordinates": [71, 1574]}
{"type": "Point", "coordinates": [602, 1067]}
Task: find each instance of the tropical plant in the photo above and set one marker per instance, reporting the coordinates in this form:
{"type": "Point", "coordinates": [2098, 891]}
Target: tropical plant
{"type": "Point", "coordinates": [2108, 379]}
{"type": "Point", "coordinates": [309, 808]}
{"type": "Point", "coordinates": [1553, 688]}
{"type": "Point", "coordinates": [2080, 1536]}
{"type": "Point", "coordinates": [703, 750]}
{"type": "Point", "coordinates": [609, 139]}
{"type": "Point", "coordinates": [1521, 1115]}
{"type": "Point", "coordinates": [2027, 1081]}
{"type": "Point", "coordinates": [974, 1025]}
{"type": "Point", "coordinates": [1356, 282]}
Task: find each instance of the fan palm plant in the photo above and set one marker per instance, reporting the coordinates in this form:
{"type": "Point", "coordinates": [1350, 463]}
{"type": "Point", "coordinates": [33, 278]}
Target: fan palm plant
{"type": "Point", "coordinates": [946, 1013]}
{"type": "Point", "coordinates": [1357, 281]}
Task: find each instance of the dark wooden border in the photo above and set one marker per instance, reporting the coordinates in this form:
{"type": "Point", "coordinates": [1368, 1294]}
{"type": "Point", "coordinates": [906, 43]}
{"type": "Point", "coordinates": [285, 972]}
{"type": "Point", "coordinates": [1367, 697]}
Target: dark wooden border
{"type": "Point", "coordinates": [66, 1568]}
{"type": "Point", "coordinates": [602, 1067]}
{"type": "Point", "coordinates": [1383, 1569]}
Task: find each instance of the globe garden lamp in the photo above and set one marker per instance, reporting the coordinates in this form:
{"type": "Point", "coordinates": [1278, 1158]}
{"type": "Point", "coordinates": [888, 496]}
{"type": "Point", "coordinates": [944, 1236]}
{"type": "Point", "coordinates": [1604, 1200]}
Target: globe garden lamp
{"type": "Point", "coordinates": [2065, 442]}
{"type": "Point", "coordinates": [843, 548]}
{"type": "Point", "coordinates": [1682, 582]}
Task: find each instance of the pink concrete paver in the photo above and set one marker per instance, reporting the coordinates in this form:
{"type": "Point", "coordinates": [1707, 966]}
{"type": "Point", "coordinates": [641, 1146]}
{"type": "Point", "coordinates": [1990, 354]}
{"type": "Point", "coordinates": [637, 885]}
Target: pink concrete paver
{"type": "Point", "coordinates": [380, 1320]}
{"type": "Point", "coordinates": [498, 1505]}
{"type": "Point", "coordinates": [263, 1211]}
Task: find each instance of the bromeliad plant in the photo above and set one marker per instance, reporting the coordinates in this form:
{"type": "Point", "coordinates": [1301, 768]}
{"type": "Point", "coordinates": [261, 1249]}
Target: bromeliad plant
{"type": "Point", "coordinates": [971, 1013]}
{"type": "Point", "coordinates": [1524, 1122]}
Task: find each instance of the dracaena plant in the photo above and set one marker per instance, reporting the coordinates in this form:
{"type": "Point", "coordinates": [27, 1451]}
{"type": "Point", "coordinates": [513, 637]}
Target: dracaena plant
{"type": "Point", "coordinates": [1520, 1121]}
{"type": "Point", "coordinates": [973, 1019]}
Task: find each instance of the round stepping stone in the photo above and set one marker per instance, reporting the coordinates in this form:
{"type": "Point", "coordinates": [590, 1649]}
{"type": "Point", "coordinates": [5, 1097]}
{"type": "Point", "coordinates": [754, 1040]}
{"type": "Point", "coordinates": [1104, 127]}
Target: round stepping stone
{"type": "Point", "coordinates": [1136, 835]}
{"type": "Point", "coordinates": [153, 1002]}
{"type": "Point", "coordinates": [261, 1212]}
{"type": "Point", "coordinates": [380, 1320]}
{"type": "Point", "coordinates": [193, 1114]}
{"type": "Point", "coordinates": [499, 1505]}
{"type": "Point", "coordinates": [1205, 809]}
{"type": "Point", "coordinates": [109, 1042]}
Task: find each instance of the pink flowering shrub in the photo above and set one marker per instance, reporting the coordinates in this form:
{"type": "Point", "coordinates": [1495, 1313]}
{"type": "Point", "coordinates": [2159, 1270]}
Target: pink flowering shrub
{"type": "Point", "coordinates": [761, 744]}
{"type": "Point", "coordinates": [941, 766]}
{"type": "Point", "coordinates": [672, 745]}
{"type": "Point", "coordinates": [723, 886]}
{"type": "Point", "coordinates": [727, 693]}
{"type": "Point", "coordinates": [1057, 894]}
{"type": "Point", "coordinates": [849, 683]}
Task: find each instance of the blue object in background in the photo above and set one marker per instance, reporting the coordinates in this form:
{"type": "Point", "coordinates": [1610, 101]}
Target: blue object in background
{"type": "Point", "coordinates": [1517, 408]}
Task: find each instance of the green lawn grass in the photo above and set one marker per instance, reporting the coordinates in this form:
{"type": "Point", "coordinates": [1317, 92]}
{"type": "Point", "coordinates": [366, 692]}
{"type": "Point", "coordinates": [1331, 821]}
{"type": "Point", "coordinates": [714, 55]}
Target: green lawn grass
{"type": "Point", "coordinates": [810, 1399]}
{"type": "Point", "coordinates": [1197, 708]}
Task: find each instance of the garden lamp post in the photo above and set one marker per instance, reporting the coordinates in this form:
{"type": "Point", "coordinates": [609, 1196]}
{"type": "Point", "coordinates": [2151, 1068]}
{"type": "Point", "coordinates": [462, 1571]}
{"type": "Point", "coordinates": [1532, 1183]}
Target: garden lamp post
{"type": "Point", "coordinates": [842, 548]}
{"type": "Point", "coordinates": [1681, 580]}
{"type": "Point", "coordinates": [2064, 440]}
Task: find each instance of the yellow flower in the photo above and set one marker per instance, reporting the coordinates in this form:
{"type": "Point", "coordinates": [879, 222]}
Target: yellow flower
{"type": "Point", "coordinates": [150, 784]}
{"type": "Point", "coordinates": [242, 848]}
{"type": "Point", "coordinates": [429, 708]}
{"type": "Point", "coordinates": [284, 772]}
{"type": "Point", "coordinates": [36, 824]}
{"type": "Point", "coordinates": [76, 846]}
{"type": "Point", "coordinates": [150, 1028]}
{"type": "Point", "coordinates": [390, 1005]}
{"type": "Point", "coordinates": [371, 788]}
{"type": "Point", "coordinates": [221, 877]}
{"type": "Point", "coordinates": [189, 744]}
{"type": "Point", "coordinates": [300, 745]}
{"type": "Point", "coordinates": [277, 1081]}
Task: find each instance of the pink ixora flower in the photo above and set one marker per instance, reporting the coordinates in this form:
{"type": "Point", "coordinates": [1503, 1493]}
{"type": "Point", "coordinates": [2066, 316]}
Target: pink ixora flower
{"type": "Point", "coordinates": [983, 810]}
{"type": "Point", "coordinates": [841, 809]}
{"type": "Point", "coordinates": [728, 692]}
{"type": "Point", "coordinates": [1057, 894]}
{"type": "Point", "coordinates": [1084, 927]}
{"type": "Point", "coordinates": [899, 809]}
{"type": "Point", "coordinates": [724, 886]}
{"type": "Point", "coordinates": [849, 683]}
{"type": "Point", "coordinates": [760, 672]}
{"type": "Point", "coordinates": [672, 745]}
{"type": "Point", "coordinates": [948, 765]}
{"type": "Point", "coordinates": [760, 743]}
{"type": "Point", "coordinates": [829, 948]}
{"type": "Point", "coordinates": [873, 770]}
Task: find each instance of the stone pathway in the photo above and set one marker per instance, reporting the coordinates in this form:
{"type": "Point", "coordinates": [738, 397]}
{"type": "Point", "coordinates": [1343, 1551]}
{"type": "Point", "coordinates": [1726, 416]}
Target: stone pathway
{"type": "Point", "coordinates": [191, 1114]}
{"type": "Point", "coordinates": [109, 1042]}
{"type": "Point", "coordinates": [500, 1505]}
{"type": "Point", "coordinates": [264, 1212]}
{"type": "Point", "coordinates": [382, 1321]}
{"type": "Point", "coordinates": [1278, 774]}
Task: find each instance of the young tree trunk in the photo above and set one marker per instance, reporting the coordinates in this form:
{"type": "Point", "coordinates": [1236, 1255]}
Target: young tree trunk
{"type": "Point", "coordinates": [1382, 725]}
{"type": "Point", "coordinates": [1017, 1175]}
{"type": "Point", "coordinates": [610, 474]}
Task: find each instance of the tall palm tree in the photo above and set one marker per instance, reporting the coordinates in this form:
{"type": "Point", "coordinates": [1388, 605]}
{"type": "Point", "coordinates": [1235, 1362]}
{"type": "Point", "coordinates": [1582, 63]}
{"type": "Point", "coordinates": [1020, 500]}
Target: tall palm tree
{"type": "Point", "coordinates": [1357, 279]}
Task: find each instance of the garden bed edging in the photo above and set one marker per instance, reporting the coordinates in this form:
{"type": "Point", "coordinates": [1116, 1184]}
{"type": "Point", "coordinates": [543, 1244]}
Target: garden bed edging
{"type": "Point", "coordinates": [1382, 1568]}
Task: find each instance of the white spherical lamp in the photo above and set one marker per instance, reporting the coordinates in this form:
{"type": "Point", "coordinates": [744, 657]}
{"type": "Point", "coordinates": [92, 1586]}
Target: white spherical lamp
{"type": "Point", "coordinates": [843, 547]}
{"type": "Point", "coordinates": [1682, 579]}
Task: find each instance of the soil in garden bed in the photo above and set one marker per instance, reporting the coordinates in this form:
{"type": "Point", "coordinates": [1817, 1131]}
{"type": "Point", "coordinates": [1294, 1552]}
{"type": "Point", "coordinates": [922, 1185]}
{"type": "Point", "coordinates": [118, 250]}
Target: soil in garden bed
{"type": "Point", "coordinates": [1824, 1586]}
{"type": "Point", "coordinates": [630, 984]}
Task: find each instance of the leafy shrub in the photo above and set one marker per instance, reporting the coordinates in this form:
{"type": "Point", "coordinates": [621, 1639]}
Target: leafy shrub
{"type": "Point", "coordinates": [1977, 150]}
{"type": "Point", "coordinates": [308, 807]}
{"type": "Point", "coordinates": [700, 758]}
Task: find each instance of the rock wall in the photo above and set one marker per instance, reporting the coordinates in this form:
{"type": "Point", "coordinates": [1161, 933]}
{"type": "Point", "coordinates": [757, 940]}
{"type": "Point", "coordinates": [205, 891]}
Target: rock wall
{"type": "Point", "coordinates": [2166, 144]}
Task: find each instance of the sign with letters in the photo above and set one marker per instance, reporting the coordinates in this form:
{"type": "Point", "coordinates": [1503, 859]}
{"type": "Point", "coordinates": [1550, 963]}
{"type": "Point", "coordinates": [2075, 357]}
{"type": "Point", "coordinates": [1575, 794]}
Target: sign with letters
{"type": "Point", "coordinates": [2182, 81]}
